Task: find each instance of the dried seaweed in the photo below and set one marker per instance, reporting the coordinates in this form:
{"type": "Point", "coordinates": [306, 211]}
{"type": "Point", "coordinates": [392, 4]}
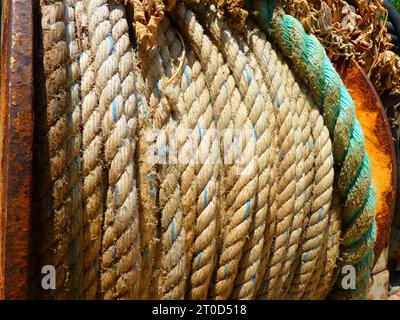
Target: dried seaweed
{"type": "Point", "coordinates": [147, 16]}
{"type": "Point", "coordinates": [149, 13]}
{"type": "Point", "coordinates": [353, 29]}
{"type": "Point", "coordinates": [348, 29]}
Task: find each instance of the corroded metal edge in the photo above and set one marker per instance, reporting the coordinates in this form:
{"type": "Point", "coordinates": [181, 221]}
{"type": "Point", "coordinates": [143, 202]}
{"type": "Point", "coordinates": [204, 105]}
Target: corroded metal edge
{"type": "Point", "coordinates": [379, 145]}
{"type": "Point", "coordinates": [16, 148]}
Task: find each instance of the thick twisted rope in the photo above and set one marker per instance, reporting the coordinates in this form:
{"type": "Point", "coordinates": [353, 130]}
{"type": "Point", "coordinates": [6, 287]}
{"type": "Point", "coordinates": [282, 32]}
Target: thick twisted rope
{"type": "Point", "coordinates": [269, 64]}
{"type": "Point", "coordinates": [304, 187]}
{"type": "Point", "coordinates": [73, 149]}
{"type": "Point", "coordinates": [354, 183]}
{"type": "Point", "coordinates": [174, 257]}
{"type": "Point", "coordinates": [314, 237]}
{"type": "Point", "coordinates": [95, 59]}
{"type": "Point", "coordinates": [189, 209]}
{"type": "Point", "coordinates": [202, 234]}
{"type": "Point", "coordinates": [167, 276]}
{"type": "Point", "coordinates": [120, 257]}
{"type": "Point", "coordinates": [64, 141]}
{"type": "Point", "coordinates": [148, 183]}
{"type": "Point", "coordinates": [328, 272]}
{"type": "Point", "coordinates": [240, 202]}
{"type": "Point", "coordinates": [221, 85]}
{"type": "Point", "coordinates": [283, 203]}
{"type": "Point", "coordinates": [321, 197]}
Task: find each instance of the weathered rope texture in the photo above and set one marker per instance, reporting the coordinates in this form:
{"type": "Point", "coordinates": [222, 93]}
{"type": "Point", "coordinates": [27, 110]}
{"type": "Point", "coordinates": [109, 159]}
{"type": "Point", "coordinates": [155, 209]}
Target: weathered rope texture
{"type": "Point", "coordinates": [88, 65]}
{"type": "Point", "coordinates": [61, 67]}
{"type": "Point", "coordinates": [120, 247]}
{"type": "Point", "coordinates": [200, 167]}
{"type": "Point", "coordinates": [338, 109]}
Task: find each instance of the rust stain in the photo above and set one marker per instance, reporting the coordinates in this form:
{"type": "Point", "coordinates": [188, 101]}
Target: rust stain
{"type": "Point", "coordinates": [16, 149]}
{"type": "Point", "coordinates": [378, 142]}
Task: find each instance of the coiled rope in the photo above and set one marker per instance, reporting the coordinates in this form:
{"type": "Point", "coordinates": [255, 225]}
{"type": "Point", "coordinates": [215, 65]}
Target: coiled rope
{"type": "Point", "coordinates": [61, 52]}
{"type": "Point", "coordinates": [200, 225]}
{"type": "Point", "coordinates": [354, 177]}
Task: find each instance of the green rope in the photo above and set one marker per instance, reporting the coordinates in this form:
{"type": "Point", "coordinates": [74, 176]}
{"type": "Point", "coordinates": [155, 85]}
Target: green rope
{"type": "Point", "coordinates": [395, 4]}
{"type": "Point", "coordinates": [354, 170]}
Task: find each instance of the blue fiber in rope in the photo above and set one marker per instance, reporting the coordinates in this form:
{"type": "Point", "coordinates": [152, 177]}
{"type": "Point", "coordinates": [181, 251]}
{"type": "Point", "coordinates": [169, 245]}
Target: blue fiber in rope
{"type": "Point", "coordinates": [110, 43]}
{"type": "Point", "coordinates": [247, 74]}
{"type": "Point", "coordinates": [173, 231]}
{"type": "Point", "coordinates": [187, 74]}
{"type": "Point", "coordinates": [199, 260]}
{"type": "Point", "coordinates": [247, 211]}
{"type": "Point", "coordinates": [114, 111]}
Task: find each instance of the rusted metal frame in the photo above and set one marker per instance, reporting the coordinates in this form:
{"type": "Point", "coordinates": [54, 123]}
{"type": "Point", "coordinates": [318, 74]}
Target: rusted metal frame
{"type": "Point", "coordinates": [16, 112]}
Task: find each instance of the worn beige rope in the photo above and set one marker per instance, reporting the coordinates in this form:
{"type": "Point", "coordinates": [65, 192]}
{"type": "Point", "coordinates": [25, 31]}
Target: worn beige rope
{"type": "Point", "coordinates": [73, 148]}
{"type": "Point", "coordinates": [329, 272]}
{"type": "Point", "coordinates": [268, 59]}
{"type": "Point", "coordinates": [318, 221]}
{"type": "Point", "coordinates": [269, 63]}
{"type": "Point", "coordinates": [120, 248]}
{"type": "Point", "coordinates": [286, 188]}
{"type": "Point", "coordinates": [202, 233]}
{"type": "Point", "coordinates": [148, 182]}
{"type": "Point", "coordinates": [216, 78]}
{"type": "Point", "coordinates": [255, 98]}
{"type": "Point", "coordinates": [171, 284]}
{"type": "Point", "coordinates": [322, 194]}
{"type": "Point", "coordinates": [149, 177]}
{"type": "Point", "coordinates": [93, 144]}
{"type": "Point", "coordinates": [199, 225]}
{"type": "Point", "coordinates": [63, 112]}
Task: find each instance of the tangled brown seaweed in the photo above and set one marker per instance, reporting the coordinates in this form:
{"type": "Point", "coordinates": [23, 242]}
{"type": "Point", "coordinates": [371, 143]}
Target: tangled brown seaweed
{"type": "Point", "coordinates": [353, 29]}
{"type": "Point", "coordinates": [149, 13]}
{"type": "Point", "coordinates": [348, 29]}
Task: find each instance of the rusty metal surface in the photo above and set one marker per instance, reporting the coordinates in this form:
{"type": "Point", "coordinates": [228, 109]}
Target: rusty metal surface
{"type": "Point", "coordinates": [16, 148]}
{"type": "Point", "coordinates": [379, 145]}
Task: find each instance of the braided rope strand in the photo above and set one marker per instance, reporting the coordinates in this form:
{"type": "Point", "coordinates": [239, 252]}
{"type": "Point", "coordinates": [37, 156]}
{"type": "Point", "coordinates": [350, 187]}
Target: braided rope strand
{"type": "Point", "coordinates": [91, 61]}
{"type": "Point", "coordinates": [120, 253]}
{"type": "Point", "coordinates": [63, 171]}
{"type": "Point", "coordinates": [254, 98]}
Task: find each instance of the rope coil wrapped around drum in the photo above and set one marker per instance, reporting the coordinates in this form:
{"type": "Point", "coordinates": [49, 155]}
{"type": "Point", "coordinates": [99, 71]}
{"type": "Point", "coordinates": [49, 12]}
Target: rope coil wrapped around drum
{"type": "Point", "coordinates": [154, 226]}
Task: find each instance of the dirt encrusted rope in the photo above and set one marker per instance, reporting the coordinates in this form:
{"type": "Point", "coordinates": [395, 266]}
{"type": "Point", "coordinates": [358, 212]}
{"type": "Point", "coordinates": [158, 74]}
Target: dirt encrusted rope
{"type": "Point", "coordinates": [62, 72]}
{"type": "Point", "coordinates": [354, 182]}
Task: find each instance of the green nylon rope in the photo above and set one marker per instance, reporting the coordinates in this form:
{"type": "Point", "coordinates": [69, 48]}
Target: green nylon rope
{"type": "Point", "coordinates": [351, 160]}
